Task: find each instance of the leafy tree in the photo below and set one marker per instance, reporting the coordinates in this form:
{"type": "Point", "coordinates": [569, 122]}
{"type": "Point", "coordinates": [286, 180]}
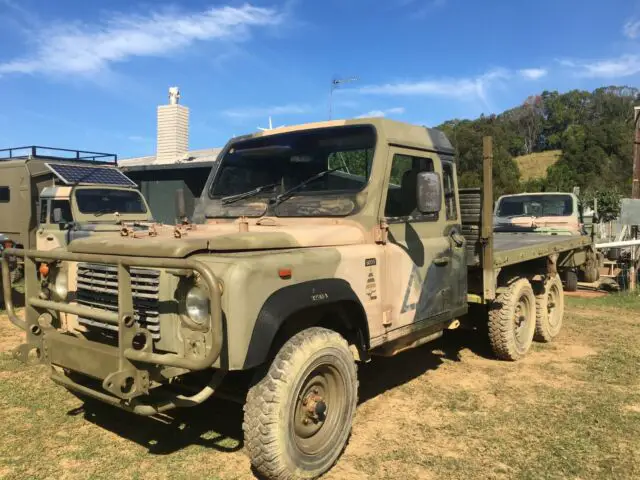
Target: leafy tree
{"type": "Point", "coordinates": [594, 130]}
{"type": "Point", "coordinates": [608, 203]}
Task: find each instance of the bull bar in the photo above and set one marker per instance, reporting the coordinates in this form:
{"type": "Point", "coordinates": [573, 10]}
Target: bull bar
{"type": "Point", "coordinates": [128, 381]}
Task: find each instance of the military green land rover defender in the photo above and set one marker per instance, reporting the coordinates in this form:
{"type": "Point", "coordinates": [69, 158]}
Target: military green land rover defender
{"type": "Point", "coordinates": [313, 248]}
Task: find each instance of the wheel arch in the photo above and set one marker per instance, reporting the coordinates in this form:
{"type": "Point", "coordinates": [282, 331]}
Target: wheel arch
{"type": "Point", "coordinates": [328, 303]}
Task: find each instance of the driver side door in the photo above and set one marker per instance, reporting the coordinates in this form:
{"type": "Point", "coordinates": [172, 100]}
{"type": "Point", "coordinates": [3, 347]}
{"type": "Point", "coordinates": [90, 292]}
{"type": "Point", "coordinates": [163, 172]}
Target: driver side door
{"type": "Point", "coordinates": [420, 291]}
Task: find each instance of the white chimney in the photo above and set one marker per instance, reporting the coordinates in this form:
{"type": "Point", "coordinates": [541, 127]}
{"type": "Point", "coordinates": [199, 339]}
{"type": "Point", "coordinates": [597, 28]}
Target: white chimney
{"type": "Point", "coordinates": [173, 129]}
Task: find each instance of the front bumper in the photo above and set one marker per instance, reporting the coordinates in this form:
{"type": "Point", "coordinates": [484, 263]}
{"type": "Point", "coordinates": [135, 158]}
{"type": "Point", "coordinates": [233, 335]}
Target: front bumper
{"type": "Point", "coordinates": [125, 370]}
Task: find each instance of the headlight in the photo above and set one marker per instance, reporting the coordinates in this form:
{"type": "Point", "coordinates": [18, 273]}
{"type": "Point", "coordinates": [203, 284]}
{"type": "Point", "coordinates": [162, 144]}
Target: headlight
{"type": "Point", "coordinates": [60, 286]}
{"type": "Point", "coordinates": [197, 305]}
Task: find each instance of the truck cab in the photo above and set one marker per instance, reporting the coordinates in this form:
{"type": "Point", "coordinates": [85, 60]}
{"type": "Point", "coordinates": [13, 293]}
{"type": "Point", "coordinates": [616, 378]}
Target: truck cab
{"type": "Point", "coordinates": [71, 212]}
{"type": "Point", "coordinates": [50, 196]}
{"type": "Point", "coordinates": [553, 213]}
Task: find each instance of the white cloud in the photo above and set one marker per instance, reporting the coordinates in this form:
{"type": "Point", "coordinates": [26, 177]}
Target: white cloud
{"type": "Point", "coordinates": [533, 73]}
{"type": "Point", "coordinates": [88, 49]}
{"type": "Point", "coordinates": [624, 66]}
{"type": "Point", "coordinates": [631, 29]}
{"type": "Point", "coordinates": [383, 113]}
{"type": "Point", "coordinates": [460, 88]}
{"type": "Point", "coordinates": [256, 112]}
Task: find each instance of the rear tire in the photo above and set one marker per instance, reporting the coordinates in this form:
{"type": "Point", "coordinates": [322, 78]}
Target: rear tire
{"type": "Point", "coordinates": [591, 275]}
{"type": "Point", "coordinates": [298, 416]}
{"type": "Point", "coordinates": [571, 281]}
{"type": "Point", "coordinates": [512, 320]}
{"type": "Point", "coordinates": [549, 310]}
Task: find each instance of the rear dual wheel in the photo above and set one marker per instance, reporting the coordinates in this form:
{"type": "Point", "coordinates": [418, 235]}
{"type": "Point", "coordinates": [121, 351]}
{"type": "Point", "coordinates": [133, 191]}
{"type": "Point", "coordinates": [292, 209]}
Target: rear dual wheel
{"type": "Point", "coordinates": [512, 320]}
{"type": "Point", "coordinates": [549, 309]}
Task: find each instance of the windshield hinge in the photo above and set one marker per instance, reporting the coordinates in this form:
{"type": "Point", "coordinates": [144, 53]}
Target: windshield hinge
{"type": "Point", "coordinates": [380, 232]}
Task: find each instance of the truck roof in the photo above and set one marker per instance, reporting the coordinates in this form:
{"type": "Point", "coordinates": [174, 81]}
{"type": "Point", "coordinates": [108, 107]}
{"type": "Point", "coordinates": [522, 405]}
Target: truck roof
{"type": "Point", "coordinates": [33, 152]}
{"type": "Point", "coordinates": [397, 133]}
{"type": "Point", "coordinates": [525, 194]}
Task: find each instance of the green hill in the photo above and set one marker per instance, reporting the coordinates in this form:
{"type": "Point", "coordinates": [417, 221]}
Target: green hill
{"type": "Point", "coordinates": [593, 130]}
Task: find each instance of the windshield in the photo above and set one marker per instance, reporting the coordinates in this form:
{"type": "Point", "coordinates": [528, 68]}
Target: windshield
{"type": "Point", "coordinates": [101, 201]}
{"type": "Point", "coordinates": [536, 206]}
{"type": "Point", "coordinates": [320, 172]}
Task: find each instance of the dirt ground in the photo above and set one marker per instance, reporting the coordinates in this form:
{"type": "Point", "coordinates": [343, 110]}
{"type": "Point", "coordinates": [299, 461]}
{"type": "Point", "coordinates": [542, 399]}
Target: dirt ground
{"type": "Point", "coordinates": [571, 409]}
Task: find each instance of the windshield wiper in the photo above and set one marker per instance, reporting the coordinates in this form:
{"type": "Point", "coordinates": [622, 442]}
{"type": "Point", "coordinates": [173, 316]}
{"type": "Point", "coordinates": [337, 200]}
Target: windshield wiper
{"type": "Point", "coordinates": [243, 195]}
{"type": "Point", "coordinates": [286, 195]}
{"type": "Point", "coordinates": [103, 211]}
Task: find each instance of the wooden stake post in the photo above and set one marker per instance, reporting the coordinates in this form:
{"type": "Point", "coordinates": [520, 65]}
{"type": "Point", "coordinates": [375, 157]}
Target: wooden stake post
{"type": "Point", "coordinates": [486, 234]}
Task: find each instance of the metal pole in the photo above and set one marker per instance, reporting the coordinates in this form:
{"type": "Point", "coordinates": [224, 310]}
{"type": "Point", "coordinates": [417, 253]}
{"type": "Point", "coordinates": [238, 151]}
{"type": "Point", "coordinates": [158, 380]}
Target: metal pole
{"type": "Point", "coordinates": [333, 85]}
{"type": "Point", "coordinates": [635, 193]}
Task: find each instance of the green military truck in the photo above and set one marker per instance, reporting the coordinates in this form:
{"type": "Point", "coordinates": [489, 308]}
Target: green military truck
{"type": "Point", "coordinates": [50, 196]}
{"type": "Point", "coordinates": [313, 248]}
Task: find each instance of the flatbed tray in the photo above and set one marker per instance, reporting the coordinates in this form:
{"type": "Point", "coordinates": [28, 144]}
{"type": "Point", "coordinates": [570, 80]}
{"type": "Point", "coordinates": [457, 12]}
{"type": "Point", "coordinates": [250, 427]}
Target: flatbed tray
{"type": "Point", "coordinates": [512, 248]}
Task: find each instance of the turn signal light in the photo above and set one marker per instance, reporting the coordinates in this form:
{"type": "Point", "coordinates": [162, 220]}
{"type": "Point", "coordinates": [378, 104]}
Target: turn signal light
{"type": "Point", "coordinates": [44, 269]}
{"type": "Point", "coordinates": [284, 273]}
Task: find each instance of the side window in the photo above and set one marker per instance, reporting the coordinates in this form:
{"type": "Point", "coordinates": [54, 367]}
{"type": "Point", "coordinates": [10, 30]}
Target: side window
{"type": "Point", "coordinates": [65, 207]}
{"type": "Point", "coordinates": [43, 211]}
{"type": "Point", "coordinates": [5, 195]}
{"type": "Point", "coordinates": [402, 200]}
{"type": "Point", "coordinates": [449, 191]}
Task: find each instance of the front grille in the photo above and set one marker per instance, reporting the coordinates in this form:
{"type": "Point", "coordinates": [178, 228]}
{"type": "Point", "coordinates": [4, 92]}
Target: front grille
{"type": "Point", "coordinates": [98, 288]}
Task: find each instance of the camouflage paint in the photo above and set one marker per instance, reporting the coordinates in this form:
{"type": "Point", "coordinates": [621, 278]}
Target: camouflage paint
{"type": "Point", "coordinates": [408, 276]}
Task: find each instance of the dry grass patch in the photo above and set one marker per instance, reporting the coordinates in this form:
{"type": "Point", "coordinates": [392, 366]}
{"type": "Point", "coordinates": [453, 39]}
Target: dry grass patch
{"type": "Point", "coordinates": [445, 411]}
{"type": "Point", "coordinates": [535, 165]}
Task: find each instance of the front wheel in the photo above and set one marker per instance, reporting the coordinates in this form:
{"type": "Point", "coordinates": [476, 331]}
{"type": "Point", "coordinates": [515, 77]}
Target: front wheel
{"type": "Point", "coordinates": [298, 416]}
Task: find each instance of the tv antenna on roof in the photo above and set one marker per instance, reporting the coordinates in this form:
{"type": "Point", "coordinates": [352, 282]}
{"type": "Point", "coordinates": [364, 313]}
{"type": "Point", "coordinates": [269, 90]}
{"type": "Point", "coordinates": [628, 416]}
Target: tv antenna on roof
{"type": "Point", "coordinates": [335, 83]}
{"type": "Point", "coordinates": [270, 127]}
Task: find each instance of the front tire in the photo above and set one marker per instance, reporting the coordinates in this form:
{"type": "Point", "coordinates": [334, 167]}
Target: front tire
{"type": "Point", "coordinates": [298, 416]}
{"type": "Point", "coordinates": [512, 320]}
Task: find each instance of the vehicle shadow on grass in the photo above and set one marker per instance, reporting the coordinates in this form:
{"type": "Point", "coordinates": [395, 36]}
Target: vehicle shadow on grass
{"type": "Point", "coordinates": [385, 373]}
{"type": "Point", "coordinates": [215, 424]}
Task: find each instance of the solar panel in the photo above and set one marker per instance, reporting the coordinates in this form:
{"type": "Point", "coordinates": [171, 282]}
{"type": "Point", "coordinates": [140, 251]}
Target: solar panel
{"type": "Point", "coordinates": [92, 175]}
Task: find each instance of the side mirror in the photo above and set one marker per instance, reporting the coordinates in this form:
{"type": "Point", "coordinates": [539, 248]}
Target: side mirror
{"type": "Point", "coordinates": [181, 210]}
{"type": "Point", "coordinates": [429, 191]}
{"type": "Point", "coordinates": [57, 215]}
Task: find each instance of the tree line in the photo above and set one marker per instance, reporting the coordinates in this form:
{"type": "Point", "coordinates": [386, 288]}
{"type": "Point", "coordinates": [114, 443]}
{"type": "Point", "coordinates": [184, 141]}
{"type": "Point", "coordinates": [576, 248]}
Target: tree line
{"type": "Point", "coordinates": [594, 131]}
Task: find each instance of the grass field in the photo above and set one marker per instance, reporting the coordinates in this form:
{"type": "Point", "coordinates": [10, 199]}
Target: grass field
{"type": "Point", "coordinates": [535, 165]}
{"type": "Point", "coordinates": [571, 410]}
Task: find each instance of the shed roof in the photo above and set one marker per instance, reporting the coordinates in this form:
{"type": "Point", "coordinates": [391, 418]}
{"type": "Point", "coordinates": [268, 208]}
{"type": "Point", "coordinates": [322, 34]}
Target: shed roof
{"type": "Point", "coordinates": [194, 158]}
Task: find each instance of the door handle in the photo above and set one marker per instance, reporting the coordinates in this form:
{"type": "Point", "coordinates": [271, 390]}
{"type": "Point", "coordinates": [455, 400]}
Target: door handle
{"type": "Point", "coordinates": [441, 261]}
{"type": "Point", "coordinates": [50, 237]}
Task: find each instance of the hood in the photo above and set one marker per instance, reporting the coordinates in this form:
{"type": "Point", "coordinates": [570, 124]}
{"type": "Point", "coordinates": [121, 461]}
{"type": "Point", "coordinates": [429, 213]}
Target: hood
{"type": "Point", "coordinates": [219, 238]}
{"type": "Point", "coordinates": [538, 224]}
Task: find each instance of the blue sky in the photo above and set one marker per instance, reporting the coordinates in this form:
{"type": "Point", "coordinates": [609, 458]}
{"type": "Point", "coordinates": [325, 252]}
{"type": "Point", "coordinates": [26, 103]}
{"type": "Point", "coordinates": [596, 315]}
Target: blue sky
{"type": "Point", "coordinates": [89, 75]}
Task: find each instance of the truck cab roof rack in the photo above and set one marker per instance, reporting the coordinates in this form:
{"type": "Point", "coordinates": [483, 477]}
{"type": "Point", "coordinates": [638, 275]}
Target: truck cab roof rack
{"type": "Point", "coordinates": [37, 151]}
